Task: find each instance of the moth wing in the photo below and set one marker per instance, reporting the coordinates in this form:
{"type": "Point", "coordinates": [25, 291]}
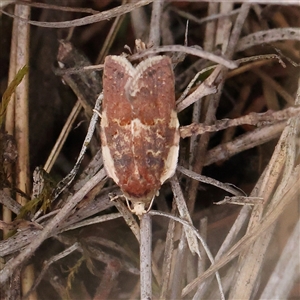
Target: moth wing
{"type": "Point", "coordinates": [155, 123]}
{"type": "Point", "coordinates": [116, 119]}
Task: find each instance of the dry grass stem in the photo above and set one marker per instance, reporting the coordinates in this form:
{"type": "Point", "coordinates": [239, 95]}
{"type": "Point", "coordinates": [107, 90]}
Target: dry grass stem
{"type": "Point", "coordinates": [123, 9]}
{"type": "Point", "coordinates": [62, 137]}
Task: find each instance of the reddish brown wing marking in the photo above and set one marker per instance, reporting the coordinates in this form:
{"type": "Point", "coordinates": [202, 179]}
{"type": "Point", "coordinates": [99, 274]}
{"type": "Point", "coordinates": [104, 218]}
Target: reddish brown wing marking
{"type": "Point", "coordinates": [116, 119]}
{"type": "Point", "coordinates": [155, 124]}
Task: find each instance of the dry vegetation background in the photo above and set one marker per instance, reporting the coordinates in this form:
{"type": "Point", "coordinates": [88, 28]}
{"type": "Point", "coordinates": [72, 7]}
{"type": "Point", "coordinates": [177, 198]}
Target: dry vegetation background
{"type": "Point", "coordinates": [83, 246]}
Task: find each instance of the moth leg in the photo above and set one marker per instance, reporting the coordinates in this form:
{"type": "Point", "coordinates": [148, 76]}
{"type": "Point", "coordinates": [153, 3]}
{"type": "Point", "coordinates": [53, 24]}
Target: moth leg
{"type": "Point", "coordinates": [114, 197]}
{"type": "Point", "coordinates": [151, 203]}
{"type": "Point", "coordinates": [128, 205]}
{"type": "Point", "coordinates": [97, 112]}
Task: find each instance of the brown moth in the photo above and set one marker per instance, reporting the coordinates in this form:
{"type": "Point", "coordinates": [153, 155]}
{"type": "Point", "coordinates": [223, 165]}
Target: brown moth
{"type": "Point", "coordinates": [139, 127]}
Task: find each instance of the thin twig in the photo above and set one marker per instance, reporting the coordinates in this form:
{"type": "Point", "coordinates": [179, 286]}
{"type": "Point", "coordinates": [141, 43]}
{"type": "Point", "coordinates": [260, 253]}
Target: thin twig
{"type": "Point", "coordinates": [64, 183]}
{"type": "Point", "coordinates": [268, 36]}
{"type": "Point", "coordinates": [11, 266]}
{"type": "Point", "coordinates": [188, 50]}
{"type": "Point", "coordinates": [9, 203]}
{"type": "Point", "coordinates": [209, 18]}
{"type": "Point", "coordinates": [145, 256]}
{"type": "Point", "coordinates": [154, 35]}
{"type": "Point", "coordinates": [224, 186]}
{"type": "Point", "coordinates": [105, 15]}
{"type": "Point", "coordinates": [246, 141]}
{"type": "Point", "coordinates": [258, 119]}
{"type": "Point", "coordinates": [286, 272]}
{"type": "Point", "coordinates": [110, 38]}
{"type": "Point", "coordinates": [192, 228]}
{"type": "Point", "coordinates": [58, 7]}
{"type": "Point", "coordinates": [184, 214]}
{"type": "Point", "coordinates": [291, 193]}
{"type": "Point", "coordinates": [62, 137]}
{"type": "Point", "coordinates": [48, 263]}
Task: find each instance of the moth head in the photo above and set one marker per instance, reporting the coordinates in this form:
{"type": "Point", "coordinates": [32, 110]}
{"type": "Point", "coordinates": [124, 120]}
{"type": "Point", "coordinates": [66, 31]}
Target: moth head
{"type": "Point", "coordinates": [139, 206]}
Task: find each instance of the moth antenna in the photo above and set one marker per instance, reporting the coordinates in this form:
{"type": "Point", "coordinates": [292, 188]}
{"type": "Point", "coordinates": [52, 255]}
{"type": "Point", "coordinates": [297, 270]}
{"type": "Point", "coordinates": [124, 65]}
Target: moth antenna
{"type": "Point", "coordinates": [128, 204]}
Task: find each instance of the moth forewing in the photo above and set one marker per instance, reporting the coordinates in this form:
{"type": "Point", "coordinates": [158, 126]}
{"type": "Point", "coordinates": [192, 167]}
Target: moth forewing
{"type": "Point", "coordinates": [139, 127]}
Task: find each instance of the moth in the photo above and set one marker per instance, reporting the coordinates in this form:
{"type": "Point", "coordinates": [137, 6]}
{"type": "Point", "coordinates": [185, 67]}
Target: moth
{"type": "Point", "coordinates": [139, 127]}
